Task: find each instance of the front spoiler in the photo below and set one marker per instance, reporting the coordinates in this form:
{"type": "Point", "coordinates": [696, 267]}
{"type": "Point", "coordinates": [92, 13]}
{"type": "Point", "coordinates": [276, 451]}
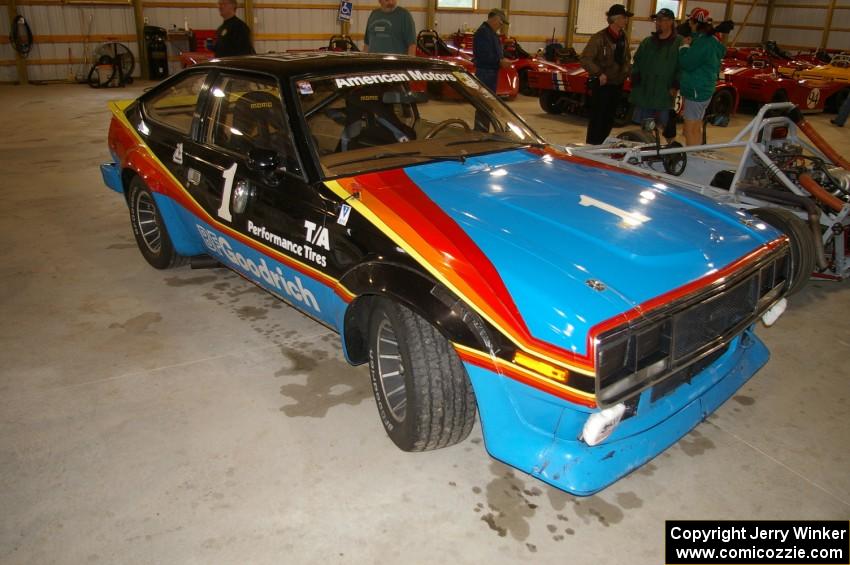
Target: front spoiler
{"type": "Point", "coordinates": [558, 458]}
{"type": "Point", "coordinates": [111, 173]}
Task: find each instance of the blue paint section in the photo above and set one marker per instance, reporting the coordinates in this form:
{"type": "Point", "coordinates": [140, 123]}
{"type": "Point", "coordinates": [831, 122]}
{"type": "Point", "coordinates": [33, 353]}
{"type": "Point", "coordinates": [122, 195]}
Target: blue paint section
{"type": "Point", "coordinates": [301, 291]}
{"type": "Point", "coordinates": [178, 224]}
{"type": "Point", "coordinates": [552, 452]}
{"type": "Point", "coordinates": [550, 225]}
{"type": "Point", "coordinates": [111, 173]}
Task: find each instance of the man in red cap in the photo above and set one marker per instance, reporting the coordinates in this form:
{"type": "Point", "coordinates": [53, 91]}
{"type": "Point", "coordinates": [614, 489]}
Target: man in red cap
{"type": "Point", "coordinates": [607, 59]}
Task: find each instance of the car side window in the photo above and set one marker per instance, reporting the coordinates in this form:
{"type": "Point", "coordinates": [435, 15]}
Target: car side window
{"type": "Point", "coordinates": [175, 106]}
{"type": "Point", "coordinates": [247, 113]}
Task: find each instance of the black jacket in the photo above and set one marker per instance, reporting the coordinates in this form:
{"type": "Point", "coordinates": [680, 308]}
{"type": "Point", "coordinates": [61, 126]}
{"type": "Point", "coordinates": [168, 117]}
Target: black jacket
{"type": "Point", "coordinates": [486, 48]}
{"type": "Point", "coordinates": [233, 37]}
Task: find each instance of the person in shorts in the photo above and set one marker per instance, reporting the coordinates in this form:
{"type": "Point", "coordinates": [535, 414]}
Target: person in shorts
{"type": "Point", "coordinates": [699, 58]}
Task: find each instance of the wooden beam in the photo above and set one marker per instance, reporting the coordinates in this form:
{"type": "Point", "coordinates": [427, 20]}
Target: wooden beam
{"type": "Point", "coordinates": [768, 21]}
{"type": "Point", "coordinates": [572, 9]}
{"type": "Point", "coordinates": [741, 27]}
{"type": "Point", "coordinates": [825, 38]}
{"type": "Point", "coordinates": [23, 77]}
{"type": "Point", "coordinates": [249, 16]}
{"type": "Point", "coordinates": [430, 13]}
{"type": "Point", "coordinates": [139, 22]}
{"type": "Point", "coordinates": [506, 7]}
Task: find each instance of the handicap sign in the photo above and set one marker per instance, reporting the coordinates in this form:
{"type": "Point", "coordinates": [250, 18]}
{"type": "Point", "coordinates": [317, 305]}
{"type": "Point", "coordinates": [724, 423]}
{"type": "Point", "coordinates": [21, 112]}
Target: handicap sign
{"type": "Point", "coordinates": [344, 11]}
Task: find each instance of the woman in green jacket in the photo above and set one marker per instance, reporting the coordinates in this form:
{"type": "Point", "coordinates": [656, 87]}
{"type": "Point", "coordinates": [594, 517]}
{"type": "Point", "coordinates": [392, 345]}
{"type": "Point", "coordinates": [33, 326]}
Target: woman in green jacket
{"type": "Point", "coordinates": [655, 72]}
{"type": "Point", "coordinates": [699, 57]}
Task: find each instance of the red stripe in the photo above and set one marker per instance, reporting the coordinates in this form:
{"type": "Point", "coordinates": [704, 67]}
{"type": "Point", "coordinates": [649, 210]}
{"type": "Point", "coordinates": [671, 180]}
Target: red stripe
{"type": "Point", "coordinates": [158, 179]}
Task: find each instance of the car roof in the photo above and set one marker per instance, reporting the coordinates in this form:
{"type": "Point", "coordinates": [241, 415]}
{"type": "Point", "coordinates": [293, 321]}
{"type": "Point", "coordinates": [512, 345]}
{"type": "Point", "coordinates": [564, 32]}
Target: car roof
{"type": "Point", "coordinates": [286, 65]}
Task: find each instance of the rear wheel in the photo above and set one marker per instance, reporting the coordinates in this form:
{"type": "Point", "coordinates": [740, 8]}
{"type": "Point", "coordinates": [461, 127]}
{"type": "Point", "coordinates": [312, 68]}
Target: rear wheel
{"type": "Point", "coordinates": [550, 101]}
{"type": "Point", "coordinates": [149, 228]}
{"type": "Point", "coordinates": [802, 243]}
{"type": "Point", "coordinates": [721, 106]}
{"type": "Point", "coordinates": [424, 396]}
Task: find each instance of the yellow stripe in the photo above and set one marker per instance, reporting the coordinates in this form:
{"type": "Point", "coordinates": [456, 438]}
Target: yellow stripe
{"type": "Point", "coordinates": [529, 373]}
{"type": "Point", "coordinates": [118, 106]}
{"type": "Point", "coordinates": [363, 209]}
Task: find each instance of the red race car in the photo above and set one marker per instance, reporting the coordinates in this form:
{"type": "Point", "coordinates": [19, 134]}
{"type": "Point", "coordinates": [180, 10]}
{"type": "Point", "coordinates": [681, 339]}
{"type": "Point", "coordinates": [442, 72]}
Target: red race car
{"type": "Point", "coordinates": [566, 91]}
{"type": "Point", "coordinates": [430, 45]}
{"type": "Point", "coordinates": [524, 62]}
{"type": "Point", "coordinates": [759, 81]}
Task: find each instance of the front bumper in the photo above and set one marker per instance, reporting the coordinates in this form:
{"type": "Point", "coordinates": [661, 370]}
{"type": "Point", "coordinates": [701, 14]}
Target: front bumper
{"type": "Point", "coordinates": [111, 173]}
{"type": "Point", "coordinates": [537, 433]}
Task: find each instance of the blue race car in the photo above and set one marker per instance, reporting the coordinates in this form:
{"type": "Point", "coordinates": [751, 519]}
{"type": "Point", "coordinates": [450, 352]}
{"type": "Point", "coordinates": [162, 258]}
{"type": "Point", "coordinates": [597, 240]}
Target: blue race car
{"type": "Point", "coordinates": [590, 315]}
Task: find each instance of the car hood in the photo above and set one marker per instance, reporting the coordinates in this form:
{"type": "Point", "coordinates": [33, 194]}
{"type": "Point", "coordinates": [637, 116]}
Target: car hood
{"type": "Point", "coordinates": [551, 226]}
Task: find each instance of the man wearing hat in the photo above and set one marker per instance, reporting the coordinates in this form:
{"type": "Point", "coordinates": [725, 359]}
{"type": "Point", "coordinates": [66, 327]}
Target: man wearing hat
{"type": "Point", "coordinates": [487, 51]}
{"type": "Point", "coordinates": [655, 72]}
{"type": "Point", "coordinates": [607, 59]}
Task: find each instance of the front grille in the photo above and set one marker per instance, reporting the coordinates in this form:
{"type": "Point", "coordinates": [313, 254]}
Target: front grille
{"type": "Point", "coordinates": [685, 375]}
{"type": "Point", "coordinates": [683, 338]}
{"type": "Point", "coordinates": [713, 318]}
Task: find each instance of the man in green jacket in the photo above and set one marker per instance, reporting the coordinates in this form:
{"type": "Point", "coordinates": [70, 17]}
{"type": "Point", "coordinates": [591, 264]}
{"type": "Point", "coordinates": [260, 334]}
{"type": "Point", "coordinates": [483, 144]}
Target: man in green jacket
{"type": "Point", "coordinates": [699, 57]}
{"type": "Point", "coordinates": [390, 29]}
{"type": "Point", "coordinates": [655, 72]}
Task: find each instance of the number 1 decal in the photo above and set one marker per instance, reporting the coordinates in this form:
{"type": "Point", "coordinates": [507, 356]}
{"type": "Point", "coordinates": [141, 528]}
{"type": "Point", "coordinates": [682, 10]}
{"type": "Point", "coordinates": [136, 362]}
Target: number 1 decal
{"type": "Point", "coordinates": [224, 209]}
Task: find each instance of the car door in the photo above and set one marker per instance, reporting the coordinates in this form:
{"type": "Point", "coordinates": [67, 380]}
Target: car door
{"type": "Point", "coordinates": [244, 171]}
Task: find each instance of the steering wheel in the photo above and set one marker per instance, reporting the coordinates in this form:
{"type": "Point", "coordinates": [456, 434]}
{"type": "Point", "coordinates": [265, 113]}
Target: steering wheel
{"type": "Point", "coordinates": [444, 124]}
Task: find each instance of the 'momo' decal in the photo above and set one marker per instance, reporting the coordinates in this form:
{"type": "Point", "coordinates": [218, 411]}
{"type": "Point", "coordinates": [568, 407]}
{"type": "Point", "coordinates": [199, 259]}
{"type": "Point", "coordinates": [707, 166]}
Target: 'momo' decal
{"type": "Point", "coordinates": [257, 267]}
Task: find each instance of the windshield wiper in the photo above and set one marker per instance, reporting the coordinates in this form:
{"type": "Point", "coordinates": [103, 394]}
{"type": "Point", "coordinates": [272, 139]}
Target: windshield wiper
{"type": "Point", "coordinates": [496, 138]}
{"type": "Point", "coordinates": [417, 154]}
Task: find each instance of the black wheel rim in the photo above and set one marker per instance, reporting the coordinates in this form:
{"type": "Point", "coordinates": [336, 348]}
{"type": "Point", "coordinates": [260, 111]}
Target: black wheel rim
{"type": "Point", "coordinates": [147, 222]}
{"type": "Point", "coordinates": [391, 372]}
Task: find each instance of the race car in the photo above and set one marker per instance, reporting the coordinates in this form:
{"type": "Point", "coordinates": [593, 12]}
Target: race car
{"type": "Point", "coordinates": [838, 70]}
{"type": "Point", "coordinates": [567, 91]}
{"type": "Point", "coordinates": [590, 317]}
{"type": "Point", "coordinates": [760, 82]}
{"type": "Point", "coordinates": [524, 62]}
{"type": "Point", "coordinates": [430, 45]}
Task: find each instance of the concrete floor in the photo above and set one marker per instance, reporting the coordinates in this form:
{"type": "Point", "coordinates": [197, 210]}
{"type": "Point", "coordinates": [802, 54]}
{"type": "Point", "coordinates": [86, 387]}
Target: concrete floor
{"type": "Point", "coordinates": [187, 417]}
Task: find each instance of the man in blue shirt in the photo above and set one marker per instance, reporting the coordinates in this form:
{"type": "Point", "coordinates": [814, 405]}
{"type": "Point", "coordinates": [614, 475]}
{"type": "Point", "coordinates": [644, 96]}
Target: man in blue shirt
{"type": "Point", "coordinates": [390, 30]}
{"type": "Point", "coordinates": [487, 51]}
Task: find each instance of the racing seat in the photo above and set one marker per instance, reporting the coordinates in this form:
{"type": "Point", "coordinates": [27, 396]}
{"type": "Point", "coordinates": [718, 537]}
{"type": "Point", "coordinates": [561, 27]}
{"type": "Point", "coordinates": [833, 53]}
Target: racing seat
{"type": "Point", "coordinates": [258, 116]}
{"type": "Point", "coordinates": [370, 122]}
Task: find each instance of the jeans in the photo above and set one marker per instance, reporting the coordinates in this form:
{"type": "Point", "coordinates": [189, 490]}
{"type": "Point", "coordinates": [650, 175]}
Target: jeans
{"type": "Point", "coordinates": [603, 103]}
{"type": "Point", "coordinates": [843, 113]}
{"type": "Point", "coordinates": [490, 78]}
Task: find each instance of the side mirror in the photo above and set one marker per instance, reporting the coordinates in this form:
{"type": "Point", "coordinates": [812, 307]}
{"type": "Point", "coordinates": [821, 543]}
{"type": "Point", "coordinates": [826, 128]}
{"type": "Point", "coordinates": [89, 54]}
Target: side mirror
{"type": "Point", "coordinates": [265, 160]}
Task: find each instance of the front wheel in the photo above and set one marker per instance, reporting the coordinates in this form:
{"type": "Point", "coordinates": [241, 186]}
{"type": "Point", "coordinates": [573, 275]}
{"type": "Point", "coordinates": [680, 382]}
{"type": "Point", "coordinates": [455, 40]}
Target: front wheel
{"type": "Point", "coordinates": [550, 102]}
{"type": "Point", "coordinates": [802, 243]}
{"type": "Point", "coordinates": [149, 228]}
{"type": "Point", "coordinates": [424, 397]}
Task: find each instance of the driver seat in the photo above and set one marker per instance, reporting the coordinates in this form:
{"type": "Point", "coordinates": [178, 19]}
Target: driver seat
{"type": "Point", "coordinates": [258, 116]}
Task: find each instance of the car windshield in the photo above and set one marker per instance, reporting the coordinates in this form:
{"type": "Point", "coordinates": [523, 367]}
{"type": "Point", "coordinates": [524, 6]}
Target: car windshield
{"type": "Point", "coordinates": [381, 119]}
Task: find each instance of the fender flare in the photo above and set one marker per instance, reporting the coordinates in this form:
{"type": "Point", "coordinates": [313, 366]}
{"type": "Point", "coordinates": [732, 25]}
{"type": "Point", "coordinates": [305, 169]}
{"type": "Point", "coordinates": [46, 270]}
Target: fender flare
{"type": "Point", "coordinates": [417, 291]}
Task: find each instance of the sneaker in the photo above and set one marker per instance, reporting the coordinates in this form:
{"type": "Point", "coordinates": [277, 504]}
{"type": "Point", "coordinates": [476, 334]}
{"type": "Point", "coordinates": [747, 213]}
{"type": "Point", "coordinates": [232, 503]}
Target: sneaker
{"type": "Point", "coordinates": [835, 123]}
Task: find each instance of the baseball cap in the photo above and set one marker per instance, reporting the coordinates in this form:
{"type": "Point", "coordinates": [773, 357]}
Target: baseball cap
{"type": "Point", "coordinates": [664, 13]}
{"type": "Point", "coordinates": [618, 10]}
{"type": "Point", "coordinates": [700, 15]}
{"type": "Point", "coordinates": [498, 12]}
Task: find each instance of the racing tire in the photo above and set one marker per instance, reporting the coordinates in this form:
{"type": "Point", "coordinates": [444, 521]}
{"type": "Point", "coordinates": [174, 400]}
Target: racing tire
{"type": "Point", "coordinates": [802, 243]}
{"type": "Point", "coordinates": [637, 135]}
{"type": "Point", "coordinates": [722, 104]}
{"type": "Point", "coordinates": [149, 228]}
{"type": "Point", "coordinates": [550, 102]}
{"type": "Point", "coordinates": [424, 396]}
{"type": "Point", "coordinates": [779, 96]}
{"type": "Point", "coordinates": [675, 163]}
{"type": "Point", "coordinates": [524, 89]}
{"type": "Point", "coordinates": [623, 113]}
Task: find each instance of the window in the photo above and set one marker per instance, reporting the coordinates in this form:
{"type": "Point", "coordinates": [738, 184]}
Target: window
{"type": "Point", "coordinates": [455, 4]}
{"type": "Point", "coordinates": [247, 113]}
{"type": "Point", "coordinates": [175, 106]}
{"type": "Point", "coordinates": [674, 5]}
